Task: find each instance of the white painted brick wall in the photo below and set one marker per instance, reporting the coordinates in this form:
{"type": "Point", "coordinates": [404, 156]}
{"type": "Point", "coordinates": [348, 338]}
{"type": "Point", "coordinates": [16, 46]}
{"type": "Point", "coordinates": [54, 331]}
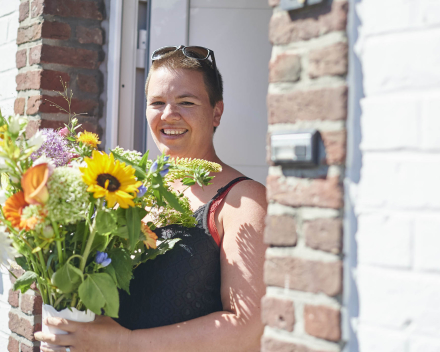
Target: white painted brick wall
{"type": "Point", "coordinates": [8, 49]}
{"type": "Point", "coordinates": [397, 201]}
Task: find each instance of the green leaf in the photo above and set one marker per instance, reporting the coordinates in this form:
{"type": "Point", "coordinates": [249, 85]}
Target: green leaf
{"type": "Point", "coordinates": [188, 181]}
{"type": "Point", "coordinates": [99, 243]}
{"type": "Point", "coordinates": [22, 262]}
{"type": "Point", "coordinates": [79, 233]}
{"type": "Point", "coordinates": [144, 160]}
{"type": "Point", "coordinates": [99, 291]}
{"type": "Point", "coordinates": [171, 199]}
{"type": "Point", "coordinates": [123, 266]}
{"type": "Point", "coordinates": [162, 248]}
{"type": "Point", "coordinates": [133, 226]}
{"type": "Point", "coordinates": [67, 278]}
{"type": "Point", "coordinates": [109, 269]}
{"type": "Point", "coordinates": [120, 213]}
{"type": "Point", "coordinates": [122, 232]}
{"type": "Point", "coordinates": [139, 173]}
{"type": "Point", "coordinates": [24, 282]}
{"type": "Point", "coordinates": [105, 222]}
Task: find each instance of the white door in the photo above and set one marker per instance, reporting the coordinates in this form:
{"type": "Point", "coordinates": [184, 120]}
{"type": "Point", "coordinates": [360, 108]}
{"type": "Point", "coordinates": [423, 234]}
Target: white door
{"type": "Point", "coordinates": [237, 31]}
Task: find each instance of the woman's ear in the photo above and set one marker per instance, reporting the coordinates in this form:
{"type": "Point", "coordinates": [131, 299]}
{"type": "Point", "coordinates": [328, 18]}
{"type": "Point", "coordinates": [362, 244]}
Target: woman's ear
{"type": "Point", "coordinates": [218, 112]}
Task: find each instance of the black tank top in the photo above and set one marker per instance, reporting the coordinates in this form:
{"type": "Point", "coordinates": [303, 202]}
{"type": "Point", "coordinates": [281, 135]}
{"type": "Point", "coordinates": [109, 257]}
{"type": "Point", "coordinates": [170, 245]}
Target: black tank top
{"type": "Point", "coordinates": [182, 284]}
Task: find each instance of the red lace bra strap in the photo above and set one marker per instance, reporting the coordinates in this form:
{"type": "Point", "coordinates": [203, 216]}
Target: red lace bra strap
{"type": "Point", "coordinates": [223, 192]}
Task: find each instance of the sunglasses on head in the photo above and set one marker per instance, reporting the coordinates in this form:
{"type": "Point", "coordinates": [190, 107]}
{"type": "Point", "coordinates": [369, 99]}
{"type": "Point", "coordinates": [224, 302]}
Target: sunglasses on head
{"type": "Point", "coordinates": [194, 52]}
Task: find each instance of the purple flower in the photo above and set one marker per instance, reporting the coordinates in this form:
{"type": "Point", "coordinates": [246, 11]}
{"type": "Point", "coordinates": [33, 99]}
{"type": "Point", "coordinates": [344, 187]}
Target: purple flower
{"type": "Point", "coordinates": [166, 158]}
{"type": "Point", "coordinates": [153, 167]}
{"type": "Point", "coordinates": [55, 147]}
{"type": "Point", "coordinates": [142, 190]}
{"type": "Point", "coordinates": [102, 258]}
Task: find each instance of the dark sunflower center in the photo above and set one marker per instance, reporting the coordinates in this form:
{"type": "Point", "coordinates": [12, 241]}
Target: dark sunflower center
{"type": "Point", "coordinates": [113, 184]}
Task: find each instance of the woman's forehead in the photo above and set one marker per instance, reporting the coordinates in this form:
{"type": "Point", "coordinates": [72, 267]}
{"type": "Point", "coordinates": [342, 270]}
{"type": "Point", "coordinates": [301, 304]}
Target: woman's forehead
{"type": "Point", "coordinates": [169, 80]}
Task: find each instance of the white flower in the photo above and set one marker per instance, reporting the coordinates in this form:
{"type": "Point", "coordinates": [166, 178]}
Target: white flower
{"type": "Point", "coordinates": [14, 124]}
{"type": "Point", "coordinates": [3, 165]}
{"type": "Point", "coordinates": [77, 164]}
{"type": "Point", "coordinates": [37, 140]}
{"type": "Point", "coordinates": [7, 252]}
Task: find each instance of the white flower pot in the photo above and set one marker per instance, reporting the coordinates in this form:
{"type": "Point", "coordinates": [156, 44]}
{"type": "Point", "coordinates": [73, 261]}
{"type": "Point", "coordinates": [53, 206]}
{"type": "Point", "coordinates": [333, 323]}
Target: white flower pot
{"type": "Point", "coordinates": [74, 314]}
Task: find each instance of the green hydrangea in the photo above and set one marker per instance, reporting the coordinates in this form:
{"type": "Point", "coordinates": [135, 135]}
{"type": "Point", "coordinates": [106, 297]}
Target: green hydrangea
{"type": "Point", "coordinates": [131, 155]}
{"type": "Point", "coordinates": [187, 166]}
{"type": "Point", "coordinates": [37, 212]}
{"type": "Point", "coordinates": [68, 196]}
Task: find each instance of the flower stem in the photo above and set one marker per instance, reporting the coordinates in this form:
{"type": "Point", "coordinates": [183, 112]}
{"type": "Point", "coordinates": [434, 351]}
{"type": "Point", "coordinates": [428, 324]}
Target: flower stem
{"type": "Point", "coordinates": [58, 241]}
{"type": "Point", "coordinates": [89, 241]}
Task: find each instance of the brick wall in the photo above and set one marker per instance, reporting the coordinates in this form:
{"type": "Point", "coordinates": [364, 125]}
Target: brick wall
{"type": "Point", "coordinates": [60, 39]}
{"type": "Point", "coordinates": [398, 198]}
{"type": "Point", "coordinates": [303, 269]}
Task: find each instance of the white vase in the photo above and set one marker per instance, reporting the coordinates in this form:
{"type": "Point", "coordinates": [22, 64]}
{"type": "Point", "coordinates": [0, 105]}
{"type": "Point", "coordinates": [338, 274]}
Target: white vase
{"type": "Point", "coordinates": [74, 314]}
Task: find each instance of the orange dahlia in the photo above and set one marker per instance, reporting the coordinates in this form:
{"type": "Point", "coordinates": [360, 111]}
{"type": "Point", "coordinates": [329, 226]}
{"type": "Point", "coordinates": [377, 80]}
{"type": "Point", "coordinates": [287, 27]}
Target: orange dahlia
{"type": "Point", "coordinates": [13, 208]}
{"type": "Point", "coordinates": [150, 236]}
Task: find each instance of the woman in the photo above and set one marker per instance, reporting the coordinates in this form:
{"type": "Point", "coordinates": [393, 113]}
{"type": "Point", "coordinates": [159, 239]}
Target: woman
{"type": "Point", "coordinates": [205, 294]}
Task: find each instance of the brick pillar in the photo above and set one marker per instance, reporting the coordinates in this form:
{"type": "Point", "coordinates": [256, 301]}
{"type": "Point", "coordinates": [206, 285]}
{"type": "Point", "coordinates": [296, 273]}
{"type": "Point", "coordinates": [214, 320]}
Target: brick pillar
{"type": "Point", "coordinates": [303, 269]}
{"type": "Point", "coordinates": [60, 39]}
{"type": "Point", "coordinates": [24, 317]}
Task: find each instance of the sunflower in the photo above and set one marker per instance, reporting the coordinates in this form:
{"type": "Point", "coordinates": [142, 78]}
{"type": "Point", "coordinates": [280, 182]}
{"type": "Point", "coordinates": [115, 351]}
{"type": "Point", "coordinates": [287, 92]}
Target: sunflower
{"type": "Point", "coordinates": [110, 179]}
{"type": "Point", "coordinates": [13, 208]}
{"type": "Point", "coordinates": [88, 138]}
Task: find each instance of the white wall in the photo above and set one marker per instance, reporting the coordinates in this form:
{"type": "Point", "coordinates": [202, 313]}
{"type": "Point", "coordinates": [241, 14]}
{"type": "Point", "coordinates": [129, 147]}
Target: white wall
{"type": "Point", "coordinates": [8, 49]}
{"type": "Point", "coordinates": [397, 202]}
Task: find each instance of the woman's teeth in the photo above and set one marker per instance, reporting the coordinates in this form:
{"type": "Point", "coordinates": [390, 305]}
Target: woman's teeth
{"type": "Point", "coordinates": [166, 131]}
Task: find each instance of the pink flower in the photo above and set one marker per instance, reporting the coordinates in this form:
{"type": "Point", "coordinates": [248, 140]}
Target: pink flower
{"type": "Point", "coordinates": [64, 132]}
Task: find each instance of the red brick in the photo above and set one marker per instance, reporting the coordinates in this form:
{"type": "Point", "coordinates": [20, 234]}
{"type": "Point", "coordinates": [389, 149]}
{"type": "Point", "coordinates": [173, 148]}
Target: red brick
{"type": "Point", "coordinates": [329, 61]}
{"type": "Point", "coordinates": [274, 3]}
{"type": "Point", "coordinates": [316, 104]}
{"type": "Point", "coordinates": [23, 326]}
{"type": "Point", "coordinates": [278, 313]}
{"type": "Point", "coordinates": [325, 193]}
{"type": "Point", "coordinates": [14, 298]}
{"type": "Point", "coordinates": [13, 345]}
{"type": "Point", "coordinates": [33, 104]}
{"type": "Point", "coordinates": [20, 58]}
{"type": "Point", "coordinates": [51, 80]}
{"type": "Point", "coordinates": [324, 234]}
{"type": "Point", "coordinates": [280, 230]}
{"type": "Point", "coordinates": [31, 304]}
{"type": "Point", "coordinates": [85, 126]}
{"type": "Point", "coordinates": [88, 83]}
{"type": "Point", "coordinates": [89, 35]}
{"type": "Point", "coordinates": [19, 106]}
{"type": "Point", "coordinates": [67, 8]}
{"type": "Point", "coordinates": [29, 33]}
{"type": "Point", "coordinates": [73, 57]}
{"type": "Point", "coordinates": [23, 11]}
{"type": "Point", "coordinates": [56, 30]}
{"type": "Point", "coordinates": [270, 344]}
{"type": "Point", "coordinates": [304, 275]}
{"type": "Point", "coordinates": [28, 80]}
{"type": "Point", "coordinates": [26, 348]}
{"type": "Point", "coordinates": [286, 27]}
{"type": "Point", "coordinates": [35, 55]}
{"type": "Point", "coordinates": [16, 270]}
{"type": "Point", "coordinates": [285, 68]}
{"type": "Point", "coordinates": [335, 146]}
{"type": "Point", "coordinates": [32, 128]}
{"type": "Point", "coordinates": [323, 322]}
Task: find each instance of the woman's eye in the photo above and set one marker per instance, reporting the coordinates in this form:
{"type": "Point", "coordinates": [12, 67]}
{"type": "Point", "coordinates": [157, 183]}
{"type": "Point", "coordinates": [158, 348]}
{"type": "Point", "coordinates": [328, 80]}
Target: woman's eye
{"type": "Point", "coordinates": [157, 103]}
{"type": "Point", "coordinates": [186, 103]}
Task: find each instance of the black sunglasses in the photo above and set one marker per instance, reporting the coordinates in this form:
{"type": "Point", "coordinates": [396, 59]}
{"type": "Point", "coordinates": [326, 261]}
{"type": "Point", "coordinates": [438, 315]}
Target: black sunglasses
{"type": "Point", "coordinates": [194, 52]}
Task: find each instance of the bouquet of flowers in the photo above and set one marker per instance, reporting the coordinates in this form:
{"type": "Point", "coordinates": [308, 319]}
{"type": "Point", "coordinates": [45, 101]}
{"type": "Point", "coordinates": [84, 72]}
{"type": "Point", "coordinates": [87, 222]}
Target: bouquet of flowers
{"type": "Point", "coordinates": [74, 214]}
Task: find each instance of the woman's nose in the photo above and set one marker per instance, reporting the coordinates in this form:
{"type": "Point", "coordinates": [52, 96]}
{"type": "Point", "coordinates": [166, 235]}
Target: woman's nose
{"type": "Point", "coordinates": [170, 113]}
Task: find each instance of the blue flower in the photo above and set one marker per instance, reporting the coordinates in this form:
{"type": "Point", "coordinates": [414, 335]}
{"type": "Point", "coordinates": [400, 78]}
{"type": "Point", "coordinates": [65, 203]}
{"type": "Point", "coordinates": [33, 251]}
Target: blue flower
{"type": "Point", "coordinates": [153, 167]}
{"type": "Point", "coordinates": [142, 190]}
{"type": "Point", "coordinates": [102, 258]}
{"type": "Point", "coordinates": [165, 170]}
{"type": "Point", "coordinates": [165, 158]}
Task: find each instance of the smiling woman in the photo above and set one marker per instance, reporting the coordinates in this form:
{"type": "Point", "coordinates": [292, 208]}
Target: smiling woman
{"type": "Point", "coordinates": [205, 294]}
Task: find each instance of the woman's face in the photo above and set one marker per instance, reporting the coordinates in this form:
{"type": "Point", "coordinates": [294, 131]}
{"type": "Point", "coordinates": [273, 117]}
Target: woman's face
{"type": "Point", "coordinates": [180, 116]}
